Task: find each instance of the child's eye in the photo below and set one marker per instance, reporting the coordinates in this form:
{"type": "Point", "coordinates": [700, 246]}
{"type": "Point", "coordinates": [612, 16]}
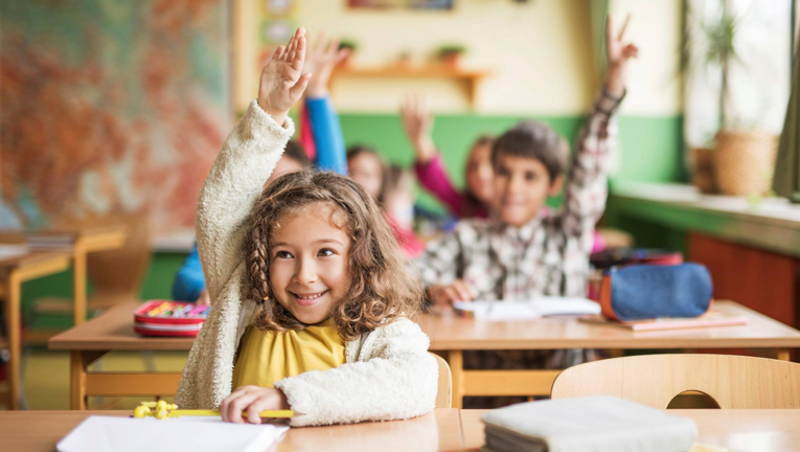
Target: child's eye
{"type": "Point", "coordinates": [503, 172]}
{"type": "Point", "coordinates": [530, 176]}
{"type": "Point", "coordinates": [283, 255]}
{"type": "Point", "coordinates": [326, 252]}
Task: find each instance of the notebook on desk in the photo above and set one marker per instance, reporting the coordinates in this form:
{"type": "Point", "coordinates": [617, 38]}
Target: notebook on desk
{"type": "Point", "coordinates": [586, 424]}
{"type": "Point", "coordinates": [708, 320]}
{"type": "Point", "coordinates": [120, 434]}
{"type": "Point", "coordinates": [499, 310]}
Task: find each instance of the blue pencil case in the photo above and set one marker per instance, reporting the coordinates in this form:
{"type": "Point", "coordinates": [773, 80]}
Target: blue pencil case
{"type": "Point", "coordinates": [656, 291]}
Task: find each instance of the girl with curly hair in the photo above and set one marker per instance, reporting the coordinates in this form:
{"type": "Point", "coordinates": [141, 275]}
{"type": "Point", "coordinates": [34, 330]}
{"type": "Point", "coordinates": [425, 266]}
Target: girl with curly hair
{"type": "Point", "coordinates": [311, 298]}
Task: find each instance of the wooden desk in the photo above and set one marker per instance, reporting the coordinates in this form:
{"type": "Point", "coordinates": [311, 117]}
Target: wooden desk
{"type": "Point", "coordinates": [13, 272]}
{"type": "Point", "coordinates": [750, 430]}
{"type": "Point", "coordinates": [39, 431]}
{"type": "Point", "coordinates": [112, 331]}
{"type": "Point", "coordinates": [444, 429]}
{"type": "Point", "coordinates": [451, 335]}
{"type": "Point", "coordinates": [80, 241]}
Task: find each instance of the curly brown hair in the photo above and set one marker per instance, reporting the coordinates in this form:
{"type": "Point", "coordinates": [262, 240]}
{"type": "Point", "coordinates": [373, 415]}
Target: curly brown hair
{"type": "Point", "coordinates": [381, 289]}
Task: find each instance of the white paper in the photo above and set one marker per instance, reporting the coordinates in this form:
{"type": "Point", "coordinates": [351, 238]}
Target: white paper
{"type": "Point", "coordinates": [528, 309]}
{"type": "Point", "coordinates": [120, 434]}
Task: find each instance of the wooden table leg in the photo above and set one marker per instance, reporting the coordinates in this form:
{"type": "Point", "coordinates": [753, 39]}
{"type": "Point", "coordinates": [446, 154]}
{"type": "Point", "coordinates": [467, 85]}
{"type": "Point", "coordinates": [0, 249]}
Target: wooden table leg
{"type": "Point", "coordinates": [783, 354]}
{"type": "Point", "coordinates": [14, 339]}
{"type": "Point", "coordinates": [79, 362]}
{"type": "Point", "coordinates": [79, 282]}
{"type": "Point", "coordinates": [456, 361]}
{"type": "Point", "coordinates": [77, 397]}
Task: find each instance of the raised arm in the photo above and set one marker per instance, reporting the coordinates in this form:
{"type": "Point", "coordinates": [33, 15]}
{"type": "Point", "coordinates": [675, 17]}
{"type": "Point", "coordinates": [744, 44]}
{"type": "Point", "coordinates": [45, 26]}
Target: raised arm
{"type": "Point", "coordinates": [586, 185]}
{"type": "Point", "coordinates": [246, 161]}
{"type": "Point", "coordinates": [428, 165]}
{"type": "Point", "coordinates": [325, 126]}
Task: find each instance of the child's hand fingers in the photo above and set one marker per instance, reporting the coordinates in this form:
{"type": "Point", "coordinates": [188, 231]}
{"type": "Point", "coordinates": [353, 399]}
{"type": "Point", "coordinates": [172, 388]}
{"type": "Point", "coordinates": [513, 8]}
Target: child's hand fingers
{"type": "Point", "coordinates": [240, 404]}
{"type": "Point", "coordinates": [624, 27]}
{"type": "Point", "coordinates": [451, 295]}
{"type": "Point", "coordinates": [299, 53]}
{"type": "Point", "coordinates": [297, 90]}
{"type": "Point", "coordinates": [464, 293]}
{"type": "Point", "coordinates": [341, 55]}
{"type": "Point", "coordinates": [223, 407]}
{"type": "Point", "coordinates": [289, 47]}
{"type": "Point", "coordinates": [263, 403]}
{"type": "Point", "coordinates": [277, 54]}
{"type": "Point", "coordinates": [333, 48]}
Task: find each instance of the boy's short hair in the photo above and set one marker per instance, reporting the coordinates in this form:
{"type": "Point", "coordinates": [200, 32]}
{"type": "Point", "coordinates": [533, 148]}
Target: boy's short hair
{"type": "Point", "coordinates": [534, 140]}
{"type": "Point", "coordinates": [296, 152]}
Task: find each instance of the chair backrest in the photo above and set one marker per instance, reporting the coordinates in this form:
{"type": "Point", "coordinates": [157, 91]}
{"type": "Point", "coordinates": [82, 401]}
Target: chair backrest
{"type": "Point", "coordinates": [117, 275]}
{"type": "Point", "coordinates": [444, 396]}
{"type": "Point", "coordinates": [732, 381]}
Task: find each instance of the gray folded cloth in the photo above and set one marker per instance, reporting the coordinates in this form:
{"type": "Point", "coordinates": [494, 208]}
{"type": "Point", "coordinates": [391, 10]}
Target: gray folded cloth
{"type": "Point", "coordinates": [587, 424]}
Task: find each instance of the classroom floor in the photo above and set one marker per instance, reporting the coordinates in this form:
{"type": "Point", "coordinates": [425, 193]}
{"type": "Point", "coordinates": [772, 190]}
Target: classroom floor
{"type": "Point", "coordinates": [46, 376]}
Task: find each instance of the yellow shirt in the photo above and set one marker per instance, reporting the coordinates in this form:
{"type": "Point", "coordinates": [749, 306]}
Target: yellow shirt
{"type": "Point", "coordinates": [267, 357]}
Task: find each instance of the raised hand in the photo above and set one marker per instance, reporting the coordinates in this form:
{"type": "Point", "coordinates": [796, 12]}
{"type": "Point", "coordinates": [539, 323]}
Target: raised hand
{"type": "Point", "coordinates": [281, 83]}
{"type": "Point", "coordinates": [418, 124]}
{"type": "Point", "coordinates": [617, 56]}
{"type": "Point", "coordinates": [320, 61]}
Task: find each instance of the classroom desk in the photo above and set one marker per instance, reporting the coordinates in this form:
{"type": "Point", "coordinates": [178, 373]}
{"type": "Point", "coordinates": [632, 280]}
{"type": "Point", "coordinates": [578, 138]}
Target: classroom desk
{"type": "Point", "coordinates": [13, 272]}
{"type": "Point", "coordinates": [39, 431]}
{"type": "Point", "coordinates": [112, 330]}
{"type": "Point", "coordinates": [449, 334]}
{"type": "Point", "coordinates": [80, 241]}
{"type": "Point", "coordinates": [445, 429]}
{"type": "Point", "coordinates": [452, 334]}
{"type": "Point", "coordinates": [739, 430]}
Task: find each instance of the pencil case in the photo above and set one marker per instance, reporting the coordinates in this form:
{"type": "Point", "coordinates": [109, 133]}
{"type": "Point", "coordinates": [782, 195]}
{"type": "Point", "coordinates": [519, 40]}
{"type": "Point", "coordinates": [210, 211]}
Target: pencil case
{"type": "Point", "coordinates": [168, 318]}
{"type": "Point", "coordinates": [656, 291]}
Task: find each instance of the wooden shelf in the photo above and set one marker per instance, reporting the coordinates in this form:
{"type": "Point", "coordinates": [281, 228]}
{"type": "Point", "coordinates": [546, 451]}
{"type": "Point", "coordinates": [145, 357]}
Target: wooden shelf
{"type": "Point", "coordinates": [472, 78]}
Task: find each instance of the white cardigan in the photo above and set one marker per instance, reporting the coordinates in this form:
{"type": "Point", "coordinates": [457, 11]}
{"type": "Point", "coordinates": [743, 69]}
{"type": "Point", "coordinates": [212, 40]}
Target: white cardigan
{"type": "Point", "coordinates": [388, 373]}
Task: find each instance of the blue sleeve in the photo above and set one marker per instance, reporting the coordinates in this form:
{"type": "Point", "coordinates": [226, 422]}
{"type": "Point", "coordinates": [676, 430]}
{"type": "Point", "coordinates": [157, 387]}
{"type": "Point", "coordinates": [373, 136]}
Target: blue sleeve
{"type": "Point", "coordinates": [328, 136]}
{"type": "Point", "coordinates": [189, 281]}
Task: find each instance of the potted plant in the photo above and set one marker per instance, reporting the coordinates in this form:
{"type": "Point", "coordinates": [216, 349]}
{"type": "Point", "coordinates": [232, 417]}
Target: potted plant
{"type": "Point", "coordinates": [743, 158]}
{"type": "Point", "coordinates": [450, 55]}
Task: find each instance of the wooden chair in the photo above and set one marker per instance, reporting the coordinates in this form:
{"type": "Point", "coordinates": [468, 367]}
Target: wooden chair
{"type": "Point", "coordinates": [116, 276]}
{"type": "Point", "coordinates": [444, 396]}
{"type": "Point", "coordinates": [733, 382]}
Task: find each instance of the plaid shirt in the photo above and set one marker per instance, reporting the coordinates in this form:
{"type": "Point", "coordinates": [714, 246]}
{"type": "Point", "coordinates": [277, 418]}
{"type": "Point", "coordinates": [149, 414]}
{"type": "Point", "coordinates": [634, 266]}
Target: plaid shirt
{"type": "Point", "coordinates": [550, 254]}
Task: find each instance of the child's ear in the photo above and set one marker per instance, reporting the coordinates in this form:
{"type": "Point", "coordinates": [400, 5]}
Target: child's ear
{"type": "Point", "coordinates": [555, 187]}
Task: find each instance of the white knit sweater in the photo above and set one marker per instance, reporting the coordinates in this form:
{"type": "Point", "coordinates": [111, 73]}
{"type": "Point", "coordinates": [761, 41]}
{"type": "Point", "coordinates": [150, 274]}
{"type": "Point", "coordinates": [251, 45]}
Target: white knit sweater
{"type": "Point", "coordinates": [388, 373]}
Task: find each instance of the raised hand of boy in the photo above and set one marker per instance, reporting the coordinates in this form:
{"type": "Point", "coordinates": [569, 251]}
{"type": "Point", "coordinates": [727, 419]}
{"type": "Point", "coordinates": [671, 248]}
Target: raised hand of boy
{"type": "Point", "coordinates": [418, 124]}
{"type": "Point", "coordinates": [320, 61]}
{"type": "Point", "coordinates": [617, 55]}
{"type": "Point", "coordinates": [281, 83]}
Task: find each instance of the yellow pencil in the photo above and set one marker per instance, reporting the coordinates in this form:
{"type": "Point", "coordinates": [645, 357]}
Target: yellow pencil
{"type": "Point", "coordinates": [163, 410]}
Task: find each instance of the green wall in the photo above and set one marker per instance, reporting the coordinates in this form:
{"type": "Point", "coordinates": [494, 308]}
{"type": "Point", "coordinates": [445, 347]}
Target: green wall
{"type": "Point", "coordinates": [651, 150]}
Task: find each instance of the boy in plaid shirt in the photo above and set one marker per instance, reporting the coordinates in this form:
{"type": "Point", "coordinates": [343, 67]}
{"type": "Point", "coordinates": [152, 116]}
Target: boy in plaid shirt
{"type": "Point", "coordinates": [522, 251]}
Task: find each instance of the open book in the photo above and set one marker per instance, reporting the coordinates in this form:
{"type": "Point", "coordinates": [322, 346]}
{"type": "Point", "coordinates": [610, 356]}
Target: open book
{"type": "Point", "coordinates": [527, 309]}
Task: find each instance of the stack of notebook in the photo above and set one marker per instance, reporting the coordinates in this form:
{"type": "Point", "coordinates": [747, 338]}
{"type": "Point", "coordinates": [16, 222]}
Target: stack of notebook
{"type": "Point", "coordinates": [586, 424]}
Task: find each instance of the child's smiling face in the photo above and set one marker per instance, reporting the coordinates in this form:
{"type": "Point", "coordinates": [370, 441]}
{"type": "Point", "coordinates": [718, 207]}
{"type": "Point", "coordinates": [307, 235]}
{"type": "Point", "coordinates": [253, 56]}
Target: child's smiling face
{"type": "Point", "coordinates": [308, 262]}
{"type": "Point", "coordinates": [521, 186]}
